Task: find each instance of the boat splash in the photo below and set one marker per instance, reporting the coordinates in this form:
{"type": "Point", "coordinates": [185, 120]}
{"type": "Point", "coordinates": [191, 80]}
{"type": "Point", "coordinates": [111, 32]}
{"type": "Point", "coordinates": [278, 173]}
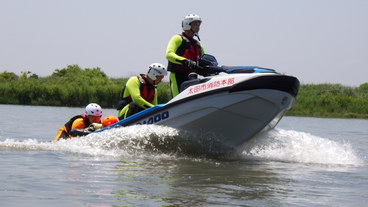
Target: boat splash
{"type": "Point", "coordinates": [161, 141]}
{"type": "Point", "coordinates": [127, 141]}
{"type": "Point", "coordinates": [301, 147]}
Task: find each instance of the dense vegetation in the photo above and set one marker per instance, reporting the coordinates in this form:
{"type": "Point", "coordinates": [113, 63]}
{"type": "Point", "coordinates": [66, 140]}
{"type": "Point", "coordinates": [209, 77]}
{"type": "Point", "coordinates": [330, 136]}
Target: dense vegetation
{"type": "Point", "coordinates": [331, 100]}
{"type": "Point", "coordinates": [71, 86]}
{"type": "Point", "coordinates": [74, 86]}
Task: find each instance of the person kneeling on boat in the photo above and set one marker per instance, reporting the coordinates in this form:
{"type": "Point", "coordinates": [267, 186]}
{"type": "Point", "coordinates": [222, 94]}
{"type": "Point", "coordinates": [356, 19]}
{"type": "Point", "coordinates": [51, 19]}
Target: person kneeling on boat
{"type": "Point", "coordinates": [140, 91]}
{"type": "Point", "coordinates": [92, 115]}
{"type": "Point", "coordinates": [107, 121]}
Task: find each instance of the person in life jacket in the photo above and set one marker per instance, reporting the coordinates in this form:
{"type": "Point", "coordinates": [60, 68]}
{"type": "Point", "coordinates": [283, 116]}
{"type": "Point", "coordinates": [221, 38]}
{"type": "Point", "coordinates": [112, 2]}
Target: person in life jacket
{"type": "Point", "coordinates": [92, 115]}
{"type": "Point", "coordinates": [107, 121]}
{"type": "Point", "coordinates": [183, 51]}
{"type": "Point", "coordinates": [140, 91]}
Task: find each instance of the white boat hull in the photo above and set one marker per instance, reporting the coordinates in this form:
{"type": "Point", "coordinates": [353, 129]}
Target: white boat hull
{"type": "Point", "coordinates": [225, 111]}
{"type": "Point", "coordinates": [231, 122]}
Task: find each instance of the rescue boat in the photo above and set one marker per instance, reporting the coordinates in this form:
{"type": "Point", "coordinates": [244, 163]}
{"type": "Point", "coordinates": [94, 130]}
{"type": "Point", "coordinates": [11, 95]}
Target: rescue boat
{"type": "Point", "coordinates": [231, 104]}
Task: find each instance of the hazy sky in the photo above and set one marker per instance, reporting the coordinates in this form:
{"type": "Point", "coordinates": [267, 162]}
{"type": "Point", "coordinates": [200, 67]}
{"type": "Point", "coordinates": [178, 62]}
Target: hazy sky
{"type": "Point", "coordinates": [318, 41]}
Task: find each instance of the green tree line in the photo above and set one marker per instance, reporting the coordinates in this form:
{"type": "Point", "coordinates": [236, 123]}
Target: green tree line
{"type": "Point", "coordinates": [74, 86]}
{"type": "Point", "coordinates": [70, 86]}
{"type": "Point", "coordinates": [331, 100]}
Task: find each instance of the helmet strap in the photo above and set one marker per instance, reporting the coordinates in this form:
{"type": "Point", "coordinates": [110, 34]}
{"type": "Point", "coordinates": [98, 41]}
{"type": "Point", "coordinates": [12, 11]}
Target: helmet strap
{"type": "Point", "coordinates": [195, 34]}
{"type": "Point", "coordinates": [150, 80]}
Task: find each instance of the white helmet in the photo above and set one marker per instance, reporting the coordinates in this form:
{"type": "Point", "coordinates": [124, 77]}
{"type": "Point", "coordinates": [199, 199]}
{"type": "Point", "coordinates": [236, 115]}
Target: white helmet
{"type": "Point", "coordinates": [156, 69]}
{"type": "Point", "coordinates": [185, 24]}
{"type": "Point", "coordinates": [93, 109]}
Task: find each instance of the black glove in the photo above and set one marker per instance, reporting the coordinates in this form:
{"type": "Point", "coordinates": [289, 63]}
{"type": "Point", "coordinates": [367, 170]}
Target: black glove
{"type": "Point", "coordinates": [190, 63]}
{"type": "Point", "coordinates": [79, 132]}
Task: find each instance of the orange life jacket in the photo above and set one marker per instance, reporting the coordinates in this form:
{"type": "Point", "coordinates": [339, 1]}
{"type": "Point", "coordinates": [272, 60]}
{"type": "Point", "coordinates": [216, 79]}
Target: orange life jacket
{"type": "Point", "coordinates": [65, 130]}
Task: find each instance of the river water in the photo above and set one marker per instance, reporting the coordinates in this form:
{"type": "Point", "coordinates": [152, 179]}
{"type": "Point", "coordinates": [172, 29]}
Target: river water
{"type": "Point", "coordinates": [302, 162]}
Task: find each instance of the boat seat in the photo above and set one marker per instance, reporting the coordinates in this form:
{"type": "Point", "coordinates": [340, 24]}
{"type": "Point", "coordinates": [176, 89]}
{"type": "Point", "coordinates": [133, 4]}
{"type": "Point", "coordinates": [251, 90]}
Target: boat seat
{"type": "Point", "coordinates": [193, 80]}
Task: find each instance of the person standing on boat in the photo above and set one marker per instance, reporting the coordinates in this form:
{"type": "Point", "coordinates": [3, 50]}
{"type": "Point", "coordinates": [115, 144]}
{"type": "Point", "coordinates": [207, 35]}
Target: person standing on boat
{"type": "Point", "coordinates": [92, 116]}
{"type": "Point", "coordinates": [183, 51]}
{"type": "Point", "coordinates": [140, 91]}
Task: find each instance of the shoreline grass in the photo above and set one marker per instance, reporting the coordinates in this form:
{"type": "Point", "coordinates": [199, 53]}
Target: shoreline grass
{"type": "Point", "coordinates": [74, 86]}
